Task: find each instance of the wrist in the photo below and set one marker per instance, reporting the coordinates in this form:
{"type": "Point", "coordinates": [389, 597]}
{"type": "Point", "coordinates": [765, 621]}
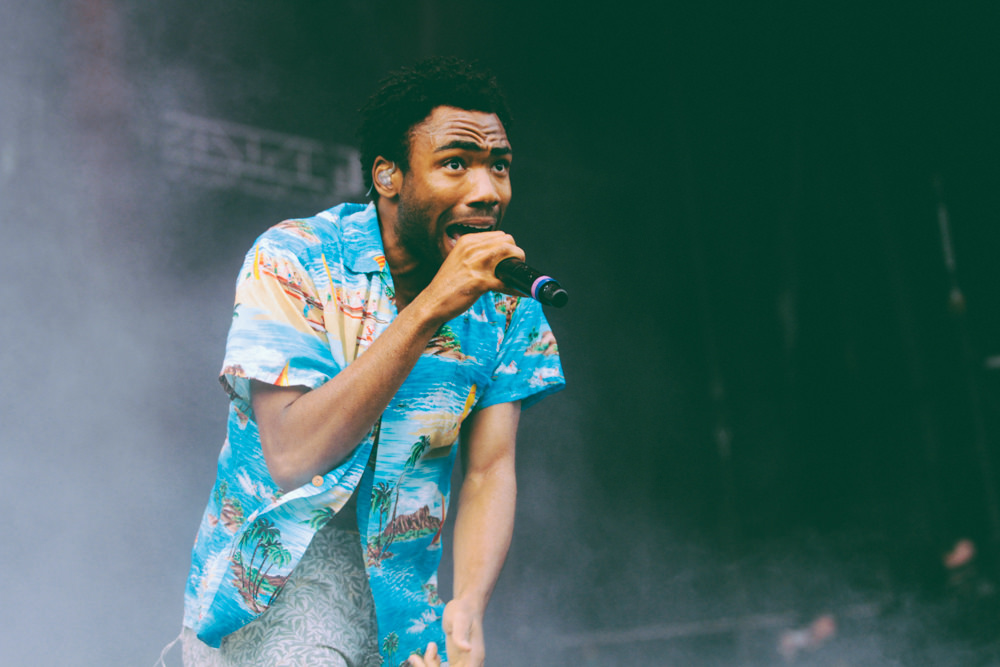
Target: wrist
{"type": "Point", "coordinates": [427, 316]}
{"type": "Point", "coordinates": [471, 604]}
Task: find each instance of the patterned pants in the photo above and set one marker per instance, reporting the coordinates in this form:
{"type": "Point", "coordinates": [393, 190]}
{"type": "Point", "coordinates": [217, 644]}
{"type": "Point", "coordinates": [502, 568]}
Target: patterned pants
{"type": "Point", "coordinates": [324, 616]}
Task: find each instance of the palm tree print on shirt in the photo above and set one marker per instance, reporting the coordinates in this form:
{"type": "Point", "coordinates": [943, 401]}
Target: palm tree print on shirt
{"type": "Point", "coordinates": [386, 498]}
{"type": "Point", "coordinates": [390, 644]}
{"type": "Point", "coordinates": [253, 580]}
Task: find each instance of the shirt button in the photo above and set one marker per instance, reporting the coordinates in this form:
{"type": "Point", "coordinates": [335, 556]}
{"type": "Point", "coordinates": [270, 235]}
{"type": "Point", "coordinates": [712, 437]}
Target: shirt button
{"type": "Point", "coordinates": [318, 480]}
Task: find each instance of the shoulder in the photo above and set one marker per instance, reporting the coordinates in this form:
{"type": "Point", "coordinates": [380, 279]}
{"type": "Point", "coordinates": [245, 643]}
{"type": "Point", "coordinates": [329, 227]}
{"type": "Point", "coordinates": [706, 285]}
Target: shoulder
{"type": "Point", "coordinates": [321, 229]}
{"type": "Point", "coordinates": [514, 310]}
{"type": "Point", "coordinates": [513, 322]}
{"type": "Point", "coordinates": [303, 240]}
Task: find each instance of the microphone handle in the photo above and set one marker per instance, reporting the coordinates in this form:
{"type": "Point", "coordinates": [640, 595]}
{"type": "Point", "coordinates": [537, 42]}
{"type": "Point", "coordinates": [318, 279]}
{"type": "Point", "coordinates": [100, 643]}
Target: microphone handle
{"type": "Point", "coordinates": [515, 273]}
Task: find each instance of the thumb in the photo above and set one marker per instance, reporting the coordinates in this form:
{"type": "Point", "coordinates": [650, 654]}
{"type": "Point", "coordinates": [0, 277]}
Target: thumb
{"type": "Point", "coordinates": [463, 639]}
{"type": "Point", "coordinates": [460, 631]}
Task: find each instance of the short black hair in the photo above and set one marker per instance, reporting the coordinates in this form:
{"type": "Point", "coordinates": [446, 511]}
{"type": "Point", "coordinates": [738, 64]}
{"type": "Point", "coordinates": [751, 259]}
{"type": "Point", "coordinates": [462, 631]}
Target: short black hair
{"type": "Point", "coordinates": [406, 97]}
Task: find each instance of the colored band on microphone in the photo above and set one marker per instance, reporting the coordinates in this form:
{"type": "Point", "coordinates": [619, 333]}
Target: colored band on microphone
{"type": "Point", "coordinates": [538, 284]}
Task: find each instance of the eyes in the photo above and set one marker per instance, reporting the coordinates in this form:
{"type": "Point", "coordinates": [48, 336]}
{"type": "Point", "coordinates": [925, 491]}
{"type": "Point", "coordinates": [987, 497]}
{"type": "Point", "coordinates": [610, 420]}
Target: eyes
{"type": "Point", "coordinates": [500, 166]}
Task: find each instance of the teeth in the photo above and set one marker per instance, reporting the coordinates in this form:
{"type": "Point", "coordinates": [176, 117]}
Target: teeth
{"type": "Point", "coordinates": [458, 229]}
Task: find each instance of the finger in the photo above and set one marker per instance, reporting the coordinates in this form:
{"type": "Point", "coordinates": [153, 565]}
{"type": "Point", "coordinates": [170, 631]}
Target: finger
{"type": "Point", "coordinates": [463, 639]}
{"type": "Point", "coordinates": [500, 244]}
{"type": "Point", "coordinates": [457, 644]}
{"type": "Point", "coordinates": [432, 651]}
{"type": "Point", "coordinates": [508, 248]}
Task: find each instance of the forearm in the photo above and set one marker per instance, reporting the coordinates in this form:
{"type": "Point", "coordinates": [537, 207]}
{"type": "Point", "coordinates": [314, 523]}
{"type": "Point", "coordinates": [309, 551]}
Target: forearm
{"type": "Point", "coordinates": [483, 529]}
{"type": "Point", "coordinates": [308, 433]}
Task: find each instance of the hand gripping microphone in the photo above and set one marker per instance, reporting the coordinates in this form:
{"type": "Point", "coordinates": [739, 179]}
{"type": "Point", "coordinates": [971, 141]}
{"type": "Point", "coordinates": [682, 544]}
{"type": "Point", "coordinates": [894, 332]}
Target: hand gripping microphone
{"type": "Point", "coordinates": [515, 273]}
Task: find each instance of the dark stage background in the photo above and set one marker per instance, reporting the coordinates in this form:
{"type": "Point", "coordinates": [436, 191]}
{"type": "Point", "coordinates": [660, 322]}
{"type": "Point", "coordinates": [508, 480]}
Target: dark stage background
{"type": "Point", "coordinates": [783, 375]}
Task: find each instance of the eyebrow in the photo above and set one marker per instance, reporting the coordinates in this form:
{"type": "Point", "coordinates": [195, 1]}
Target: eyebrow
{"type": "Point", "coordinates": [473, 147]}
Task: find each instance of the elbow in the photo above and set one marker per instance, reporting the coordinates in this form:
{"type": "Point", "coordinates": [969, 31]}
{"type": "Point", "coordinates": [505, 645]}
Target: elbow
{"type": "Point", "coordinates": [292, 467]}
{"type": "Point", "coordinates": [283, 470]}
{"type": "Point", "coordinates": [494, 479]}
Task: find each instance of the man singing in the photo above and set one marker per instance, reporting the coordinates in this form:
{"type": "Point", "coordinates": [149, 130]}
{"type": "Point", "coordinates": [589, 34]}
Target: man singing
{"type": "Point", "coordinates": [368, 342]}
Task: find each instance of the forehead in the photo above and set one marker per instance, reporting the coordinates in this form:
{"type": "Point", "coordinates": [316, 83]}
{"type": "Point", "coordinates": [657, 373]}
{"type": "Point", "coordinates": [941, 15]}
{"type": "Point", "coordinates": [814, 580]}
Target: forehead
{"type": "Point", "coordinates": [448, 125]}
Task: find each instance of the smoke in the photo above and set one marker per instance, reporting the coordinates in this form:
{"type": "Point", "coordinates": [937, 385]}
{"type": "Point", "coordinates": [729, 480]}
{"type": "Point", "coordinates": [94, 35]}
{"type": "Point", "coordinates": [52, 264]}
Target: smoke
{"type": "Point", "coordinates": [115, 294]}
{"type": "Point", "coordinates": [102, 397]}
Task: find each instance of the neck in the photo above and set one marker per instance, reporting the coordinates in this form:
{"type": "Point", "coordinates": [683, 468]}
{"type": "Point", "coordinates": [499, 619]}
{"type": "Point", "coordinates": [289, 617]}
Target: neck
{"type": "Point", "coordinates": [407, 286]}
{"type": "Point", "coordinates": [408, 277]}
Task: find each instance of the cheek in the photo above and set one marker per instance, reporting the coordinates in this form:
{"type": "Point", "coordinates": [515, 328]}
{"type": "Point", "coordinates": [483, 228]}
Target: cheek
{"type": "Point", "coordinates": [505, 199]}
{"type": "Point", "coordinates": [503, 188]}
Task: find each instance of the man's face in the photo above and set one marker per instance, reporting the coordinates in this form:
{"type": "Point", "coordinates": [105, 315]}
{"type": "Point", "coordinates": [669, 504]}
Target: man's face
{"type": "Point", "coordinates": [458, 182]}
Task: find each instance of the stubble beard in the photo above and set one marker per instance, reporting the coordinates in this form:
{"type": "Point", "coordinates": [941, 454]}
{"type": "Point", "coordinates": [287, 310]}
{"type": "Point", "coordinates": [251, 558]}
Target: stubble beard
{"type": "Point", "coordinates": [417, 234]}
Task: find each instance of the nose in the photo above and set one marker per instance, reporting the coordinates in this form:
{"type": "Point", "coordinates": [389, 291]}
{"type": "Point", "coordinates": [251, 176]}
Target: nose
{"type": "Point", "coordinates": [485, 192]}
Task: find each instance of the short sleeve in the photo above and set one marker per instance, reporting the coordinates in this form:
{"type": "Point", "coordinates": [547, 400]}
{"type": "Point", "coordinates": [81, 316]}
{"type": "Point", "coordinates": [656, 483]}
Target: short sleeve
{"type": "Point", "coordinates": [277, 334]}
{"type": "Point", "coordinates": [528, 367]}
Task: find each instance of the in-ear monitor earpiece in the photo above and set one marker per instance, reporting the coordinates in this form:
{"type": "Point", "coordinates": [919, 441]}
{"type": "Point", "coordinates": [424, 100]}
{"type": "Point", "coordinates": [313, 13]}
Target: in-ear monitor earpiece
{"type": "Point", "coordinates": [385, 176]}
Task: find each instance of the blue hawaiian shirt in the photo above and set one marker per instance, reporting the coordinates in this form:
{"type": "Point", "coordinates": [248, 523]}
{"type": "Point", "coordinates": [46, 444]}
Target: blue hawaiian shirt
{"type": "Point", "coordinates": [312, 295]}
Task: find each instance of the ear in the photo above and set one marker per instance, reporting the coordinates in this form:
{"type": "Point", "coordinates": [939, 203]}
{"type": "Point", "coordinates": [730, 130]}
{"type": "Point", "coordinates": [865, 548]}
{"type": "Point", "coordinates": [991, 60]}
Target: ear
{"type": "Point", "coordinates": [385, 177]}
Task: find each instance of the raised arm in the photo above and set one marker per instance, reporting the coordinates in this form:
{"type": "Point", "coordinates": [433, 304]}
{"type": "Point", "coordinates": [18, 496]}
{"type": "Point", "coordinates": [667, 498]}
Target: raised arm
{"type": "Point", "coordinates": [306, 433]}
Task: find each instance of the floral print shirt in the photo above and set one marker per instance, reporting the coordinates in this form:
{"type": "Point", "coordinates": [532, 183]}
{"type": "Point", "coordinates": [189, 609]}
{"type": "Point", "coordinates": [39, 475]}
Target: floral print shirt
{"type": "Point", "coordinates": [312, 295]}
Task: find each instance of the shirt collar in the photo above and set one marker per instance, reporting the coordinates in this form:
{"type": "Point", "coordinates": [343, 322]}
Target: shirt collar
{"type": "Point", "coordinates": [362, 239]}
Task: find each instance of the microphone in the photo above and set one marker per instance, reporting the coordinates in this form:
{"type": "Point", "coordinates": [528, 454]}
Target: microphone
{"type": "Point", "coordinates": [515, 273]}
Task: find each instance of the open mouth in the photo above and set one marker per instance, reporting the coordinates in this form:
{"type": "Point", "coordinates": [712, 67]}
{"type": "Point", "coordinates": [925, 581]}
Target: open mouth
{"type": "Point", "coordinates": [458, 229]}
